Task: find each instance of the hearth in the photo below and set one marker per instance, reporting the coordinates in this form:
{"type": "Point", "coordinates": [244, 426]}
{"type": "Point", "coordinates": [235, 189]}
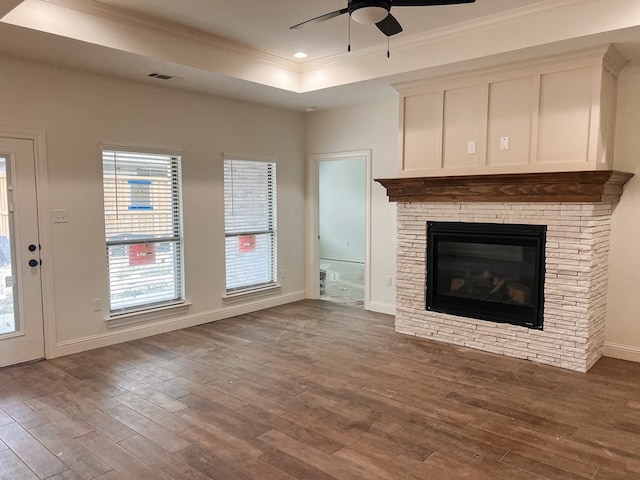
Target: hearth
{"type": "Point", "coordinates": [492, 272]}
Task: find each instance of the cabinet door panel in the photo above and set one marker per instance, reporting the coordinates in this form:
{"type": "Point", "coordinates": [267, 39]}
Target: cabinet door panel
{"type": "Point", "coordinates": [510, 107]}
{"type": "Point", "coordinates": [465, 117]}
{"type": "Point", "coordinates": [564, 117]}
{"type": "Point", "coordinates": [422, 132]}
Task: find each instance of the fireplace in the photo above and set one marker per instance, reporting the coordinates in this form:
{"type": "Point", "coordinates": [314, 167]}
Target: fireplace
{"type": "Point", "coordinates": [573, 210]}
{"type": "Point", "coordinates": [487, 271]}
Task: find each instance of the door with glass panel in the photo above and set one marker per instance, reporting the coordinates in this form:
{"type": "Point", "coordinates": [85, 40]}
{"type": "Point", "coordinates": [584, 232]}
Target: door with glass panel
{"type": "Point", "coordinates": [21, 318]}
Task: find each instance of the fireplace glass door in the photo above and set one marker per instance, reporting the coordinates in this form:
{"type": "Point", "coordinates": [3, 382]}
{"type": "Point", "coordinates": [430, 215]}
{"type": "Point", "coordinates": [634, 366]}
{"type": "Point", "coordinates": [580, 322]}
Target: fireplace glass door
{"type": "Point", "coordinates": [486, 271]}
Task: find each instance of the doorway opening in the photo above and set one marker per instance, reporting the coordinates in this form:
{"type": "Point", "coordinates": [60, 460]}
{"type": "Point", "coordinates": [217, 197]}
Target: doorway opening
{"type": "Point", "coordinates": [342, 228]}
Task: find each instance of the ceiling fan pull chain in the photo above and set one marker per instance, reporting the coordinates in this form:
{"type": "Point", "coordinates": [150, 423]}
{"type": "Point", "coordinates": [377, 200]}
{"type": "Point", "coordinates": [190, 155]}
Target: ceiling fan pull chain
{"type": "Point", "coordinates": [388, 52]}
{"type": "Point", "coordinates": [349, 30]}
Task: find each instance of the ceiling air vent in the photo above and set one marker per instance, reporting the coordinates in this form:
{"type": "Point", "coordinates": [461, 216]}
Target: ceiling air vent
{"type": "Point", "coordinates": [160, 76]}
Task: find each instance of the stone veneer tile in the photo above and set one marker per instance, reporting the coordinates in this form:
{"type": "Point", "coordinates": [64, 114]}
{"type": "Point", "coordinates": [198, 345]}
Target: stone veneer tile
{"type": "Point", "coordinates": [575, 281]}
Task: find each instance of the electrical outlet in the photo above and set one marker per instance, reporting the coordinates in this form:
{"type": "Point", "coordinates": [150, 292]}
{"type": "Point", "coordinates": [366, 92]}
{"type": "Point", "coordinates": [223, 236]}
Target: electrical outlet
{"type": "Point", "coordinates": [471, 147]}
{"type": "Point", "coordinates": [389, 281]}
{"type": "Point", "coordinates": [97, 304]}
{"type": "Point", "coordinates": [504, 143]}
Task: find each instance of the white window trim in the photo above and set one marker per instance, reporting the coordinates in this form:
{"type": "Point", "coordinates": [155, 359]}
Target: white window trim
{"type": "Point", "coordinates": [161, 310]}
{"type": "Point", "coordinates": [249, 293]}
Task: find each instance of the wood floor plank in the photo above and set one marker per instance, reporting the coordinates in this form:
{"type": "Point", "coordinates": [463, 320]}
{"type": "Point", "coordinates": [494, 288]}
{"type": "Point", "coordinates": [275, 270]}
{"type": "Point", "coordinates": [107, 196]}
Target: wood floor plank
{"type": "Point", "coordinates": [110, 476]}
{"type": "Point", "coordinates": [12, 468]}
{"type": "Point", "coordinates": [314, 390]}
{"type": "Point", "coordinates": [154, 432]}
{"type": "Point", "coordinates": [227, 445]}
{"type": "Point", "coordinates": [11, 381]}
{"type": "Point", "coordinates": [209, 463]}
{"type": "Point", "coordinates": [439, 465]}
{"type": "Point", "coordinates": [151, 394]}
{"type": "Point", "coordinates": [44, 463]}
{"type": "Point", "coordinates": [172, 465]}
{"type": "Point", "coordinates": [156, 383]}
{"type": "Point", "coordinates": [79, 459]}
{"type": "Point", "coordinates": [68, 475]}
{"type": "Point", "coordinates": [79, 407]}
{"type": "Point", "coordinates": [264, 471]}
{"type": "Point", "coordinates": [5, 419]}
{"type": "Point", "coordinates": [184, 368]}
{"type": "Point", "coordinates": [302, 431]}
{"type": "Point", "coordinates": [168, 420]}
{"type": "Point", "coordinates": [293, 466]}
{"type": "Point", "coordinates": [328, 464]}
{"type": "Point", "coordinates": [50, 407]}
{"type": "Point", "coordinates": [125, 464]}
{"type": "Point", "coordinates": [210, 393]}
{"type": "Point", "coordinates": [19, 411]}
{"type": "Point", "coordinates": [547, 470]}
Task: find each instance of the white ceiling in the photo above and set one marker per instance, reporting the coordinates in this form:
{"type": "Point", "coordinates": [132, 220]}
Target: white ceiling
{"type": "Point", "coordinates": [264, 25]}
{"type": "Point", "coordinates": [243, 48]}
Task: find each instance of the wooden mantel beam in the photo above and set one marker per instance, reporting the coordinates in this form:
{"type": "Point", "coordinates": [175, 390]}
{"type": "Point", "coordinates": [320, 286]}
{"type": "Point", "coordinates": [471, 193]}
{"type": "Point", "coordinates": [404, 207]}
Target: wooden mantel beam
{"type": "Point", "coordinates": [586, 186]}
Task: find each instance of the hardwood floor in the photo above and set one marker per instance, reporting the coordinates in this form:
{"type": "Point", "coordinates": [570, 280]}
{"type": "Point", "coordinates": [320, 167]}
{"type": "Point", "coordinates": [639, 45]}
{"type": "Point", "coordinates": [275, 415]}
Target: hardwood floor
{"type": "Point", "coordinates": [314, 390]}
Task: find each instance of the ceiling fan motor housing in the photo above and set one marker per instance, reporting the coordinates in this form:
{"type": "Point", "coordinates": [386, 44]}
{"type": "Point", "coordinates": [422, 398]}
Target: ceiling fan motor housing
{"type": "Point", "coordinates": [369, 11]}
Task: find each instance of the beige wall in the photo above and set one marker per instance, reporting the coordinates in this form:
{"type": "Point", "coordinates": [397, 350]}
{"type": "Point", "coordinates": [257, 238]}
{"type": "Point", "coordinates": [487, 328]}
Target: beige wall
{"type": "Point", "coordinates": [367, 127]}
{"type": "Point", "coordinates": [623, 319]}
{"type": "Point", "coordinates": [79, 112]}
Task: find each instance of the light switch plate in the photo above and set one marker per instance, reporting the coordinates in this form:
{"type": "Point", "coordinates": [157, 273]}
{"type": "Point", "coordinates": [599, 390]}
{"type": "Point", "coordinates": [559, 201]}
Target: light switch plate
{"type": "Point", "coordinates": [60, 216]}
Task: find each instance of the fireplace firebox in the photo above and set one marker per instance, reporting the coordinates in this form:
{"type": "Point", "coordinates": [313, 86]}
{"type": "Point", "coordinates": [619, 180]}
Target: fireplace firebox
{"type": "Point", "coordinates": [487, 271]}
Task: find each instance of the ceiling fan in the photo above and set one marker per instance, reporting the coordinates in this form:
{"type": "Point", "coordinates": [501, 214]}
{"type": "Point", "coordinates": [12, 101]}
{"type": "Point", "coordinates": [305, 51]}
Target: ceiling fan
{"type": "Point", "coordinates": [378, 12]}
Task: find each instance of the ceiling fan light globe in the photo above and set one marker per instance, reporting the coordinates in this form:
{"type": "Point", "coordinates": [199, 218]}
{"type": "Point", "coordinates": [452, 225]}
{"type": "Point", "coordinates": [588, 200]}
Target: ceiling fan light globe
{"type": "Point", "coordinates": [369, 15]}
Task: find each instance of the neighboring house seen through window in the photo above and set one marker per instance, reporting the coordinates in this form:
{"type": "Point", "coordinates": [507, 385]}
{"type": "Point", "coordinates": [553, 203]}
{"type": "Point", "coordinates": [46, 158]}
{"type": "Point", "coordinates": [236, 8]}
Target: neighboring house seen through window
{"type": "Point", "coordinates": [143, 229]}
{"type": "Point", "coordinates": [250, 223]}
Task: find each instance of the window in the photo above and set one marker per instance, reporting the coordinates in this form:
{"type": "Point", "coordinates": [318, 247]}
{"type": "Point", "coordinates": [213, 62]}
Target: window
{"type": "Point", "coordinates": [250, 223]}
{"type": "Point", "coordinates": [143, 229]}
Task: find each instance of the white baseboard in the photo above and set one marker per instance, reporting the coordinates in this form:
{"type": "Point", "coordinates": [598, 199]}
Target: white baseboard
{"type": "Point", "coordinates": [135, 332]}
{"type": "Point", "coordinates": [382, 308]}
{"type": "Point", "coordinates": [622, 352]}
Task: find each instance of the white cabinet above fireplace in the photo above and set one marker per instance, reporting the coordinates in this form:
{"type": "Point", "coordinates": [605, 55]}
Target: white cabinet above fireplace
{"type": "Point", "coordinates": [546, 115]}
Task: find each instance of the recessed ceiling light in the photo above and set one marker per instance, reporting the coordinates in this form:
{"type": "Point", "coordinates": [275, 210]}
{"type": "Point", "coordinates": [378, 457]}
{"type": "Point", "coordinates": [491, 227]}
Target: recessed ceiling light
{"type": "Point", "coordinates": [300, 55]}
{"type": "Point", "coordinates": [309, 109]}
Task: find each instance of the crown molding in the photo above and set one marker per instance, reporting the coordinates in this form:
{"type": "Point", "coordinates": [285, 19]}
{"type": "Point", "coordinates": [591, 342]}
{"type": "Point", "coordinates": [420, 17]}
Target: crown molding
{"type": "Point", "coordinates": [171, 30]}
{"type": "Point", "coordinates": [445, 33]}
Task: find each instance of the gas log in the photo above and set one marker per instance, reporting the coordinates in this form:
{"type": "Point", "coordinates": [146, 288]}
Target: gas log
{"type": "Point", "coordinates": [488, 287]}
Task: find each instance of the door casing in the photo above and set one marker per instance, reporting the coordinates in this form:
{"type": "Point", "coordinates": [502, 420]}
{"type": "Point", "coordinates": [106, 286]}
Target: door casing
{"type": "Point", "coordinates": [44, 226]}
{"type": "Point", "coordinates": [313, 228]}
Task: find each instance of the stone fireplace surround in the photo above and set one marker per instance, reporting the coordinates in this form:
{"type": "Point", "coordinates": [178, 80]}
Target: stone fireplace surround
{"type": "Point", "coordinates": [576, 207]}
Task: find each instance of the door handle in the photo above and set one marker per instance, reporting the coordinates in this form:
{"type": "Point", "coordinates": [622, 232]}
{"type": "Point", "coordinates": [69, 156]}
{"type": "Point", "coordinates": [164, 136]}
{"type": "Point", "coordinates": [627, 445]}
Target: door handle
{"type": "Point", "coordinates": [33, 262]}
{"type": "Point", "coordinates": [32, 248]}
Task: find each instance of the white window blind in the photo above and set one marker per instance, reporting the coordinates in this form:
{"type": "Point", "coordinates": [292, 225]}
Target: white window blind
{"type": "Point", "coordinates": [250, 223]}
{"type": "Point", "coordinates": [143, 229]}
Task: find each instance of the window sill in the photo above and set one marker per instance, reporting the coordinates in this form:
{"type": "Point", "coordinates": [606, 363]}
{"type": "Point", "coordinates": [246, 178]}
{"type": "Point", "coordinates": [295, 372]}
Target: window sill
{"type": "Point", "coordinates": [250, 294]}
{"type": "Point", "coordinates": [144, 316]}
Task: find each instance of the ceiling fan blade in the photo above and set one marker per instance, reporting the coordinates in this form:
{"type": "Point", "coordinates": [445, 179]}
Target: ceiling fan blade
{"type": "Point", "coordinates": [427, 3]}
{"type": "Point", "coordinates": [321, 18]}
{"type": "Point", "coordinates": [389, 26]}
